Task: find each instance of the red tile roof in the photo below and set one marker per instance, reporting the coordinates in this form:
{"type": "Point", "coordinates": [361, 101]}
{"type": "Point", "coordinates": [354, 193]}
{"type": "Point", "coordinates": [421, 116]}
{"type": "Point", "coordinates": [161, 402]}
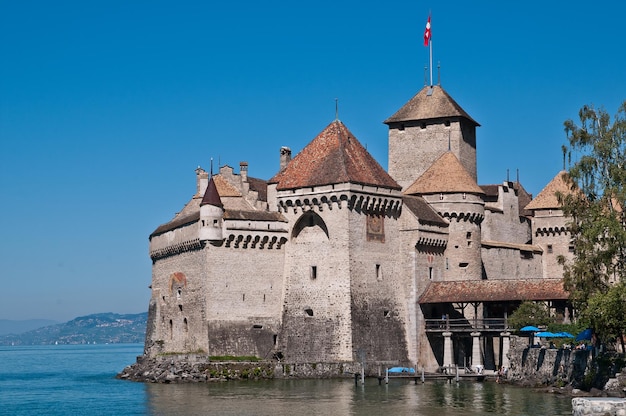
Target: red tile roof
{"type": "Point", "coordinates": [546, 199]}
{"type": "Point", "coordinates": [424, 106]}
{"type": "Point", "coordinates": [445, 175]}
{"type": "Point", "coordinates": [493, 290]}
{"type": "Point", "coordinates": [334, 156]}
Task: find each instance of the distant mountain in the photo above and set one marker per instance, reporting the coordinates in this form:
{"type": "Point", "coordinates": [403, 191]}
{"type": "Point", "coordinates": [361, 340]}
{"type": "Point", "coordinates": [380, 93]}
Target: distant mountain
{"type": "Point", "coordinates": [18, 327]}
{"type": "Point", "coordinates": [100, 328]}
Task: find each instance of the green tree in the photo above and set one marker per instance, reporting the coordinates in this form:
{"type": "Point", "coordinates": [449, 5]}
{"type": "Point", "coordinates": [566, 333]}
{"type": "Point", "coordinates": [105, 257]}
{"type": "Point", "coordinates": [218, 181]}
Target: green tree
{"type": "Point", "coordinates": [595, 208]}
{"type": "Point", "coordinates": [530, 313]}
{"type": "Point", "coordinates": [607, 312]}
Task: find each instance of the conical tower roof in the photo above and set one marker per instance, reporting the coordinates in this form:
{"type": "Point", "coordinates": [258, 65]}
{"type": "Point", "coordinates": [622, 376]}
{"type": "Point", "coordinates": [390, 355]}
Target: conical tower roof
{"type": "Point", "coordinates": [334, 156]}
{"type": "Point", "coordinates": [546, 199]}
{"type": "Point", "coordinates": [446, 175]}
{"type": "Point", "coordinates": [431, 102]}
{"type": "Point", "coordinates": [211, 196]}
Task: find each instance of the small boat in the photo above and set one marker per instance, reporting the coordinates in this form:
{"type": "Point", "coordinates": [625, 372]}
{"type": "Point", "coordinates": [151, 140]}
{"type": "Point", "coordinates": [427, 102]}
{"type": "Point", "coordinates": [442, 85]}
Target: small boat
{"type": "Point", "coordinates": [401, 370]}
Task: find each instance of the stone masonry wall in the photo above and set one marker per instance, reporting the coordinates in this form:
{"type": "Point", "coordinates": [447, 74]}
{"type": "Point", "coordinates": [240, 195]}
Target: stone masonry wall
{"type": "Point", "coordinates": [550, 230]}
{"type": "Point", "coordinates": [316, 315]}
{"type": "Point", "coordinates": [545, 366]}
{"type": "Point", "coordinates": [178, 303]}
{"type": "Point", "coordinates": [379, 316]}
{"type": "Point", "coordinates": [510, 263]}
{"type": "Point", "coordinates": [503, 222]}
{"type": "Point", "coordinates": [465, 213]}
{"type": "Point", "coordinates": [413, 149]}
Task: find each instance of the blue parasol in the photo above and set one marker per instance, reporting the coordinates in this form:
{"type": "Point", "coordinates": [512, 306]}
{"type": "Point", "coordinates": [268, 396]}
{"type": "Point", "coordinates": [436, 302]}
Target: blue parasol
{"type": "Point", "coordinates": [530, 328]}
{"type": "Point", "coordinates": [564, 335]}
{"type": "Point", "coordinates": [585, 335]}
{"type": "Point", "coordinates": [545, 334]}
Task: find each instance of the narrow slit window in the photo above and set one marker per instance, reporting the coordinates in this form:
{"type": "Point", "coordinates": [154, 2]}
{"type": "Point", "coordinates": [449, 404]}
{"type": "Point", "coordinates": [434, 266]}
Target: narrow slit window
{"type": "Point", "coordinates": [379, 273]}
{"type": "Point", "coordinates": [313, 272]}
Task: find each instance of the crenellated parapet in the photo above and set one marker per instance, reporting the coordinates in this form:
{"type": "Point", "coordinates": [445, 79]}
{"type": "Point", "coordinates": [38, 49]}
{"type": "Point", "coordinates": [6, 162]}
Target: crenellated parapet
{"type": "Point", "coordinates": [370, 204]}
{"type": "Point", "coordinates": [254, 241]}
{"type": "Point", "coordinates": [175, 249]}
{"type": "Point", "coordinates": [472, 217]}
{"type": "Point", "coordinates": [551, 231]}
{"type": "Point", "coordinates": [431, 242]}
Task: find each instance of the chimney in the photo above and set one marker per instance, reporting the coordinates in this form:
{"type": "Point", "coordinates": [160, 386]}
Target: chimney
{"type": "Point", "coordinates": [202, 181]}
{"type": "Point", "coordinates": [285, 157]}
{"type": "Point", "coordinates": [243, 171]}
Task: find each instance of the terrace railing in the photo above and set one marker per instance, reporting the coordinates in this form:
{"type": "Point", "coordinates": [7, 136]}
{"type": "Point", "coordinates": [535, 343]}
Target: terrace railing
{"type": "Point", "coordinates": [466, 325]}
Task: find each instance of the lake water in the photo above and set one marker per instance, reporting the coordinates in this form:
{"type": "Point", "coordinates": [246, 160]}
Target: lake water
{"type": "Point", "coordinates": [77, 380]}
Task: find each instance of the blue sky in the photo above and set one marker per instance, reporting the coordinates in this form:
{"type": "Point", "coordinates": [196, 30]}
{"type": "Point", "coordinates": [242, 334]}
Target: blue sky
{"type": "Point", "coordinates": [107, 107]}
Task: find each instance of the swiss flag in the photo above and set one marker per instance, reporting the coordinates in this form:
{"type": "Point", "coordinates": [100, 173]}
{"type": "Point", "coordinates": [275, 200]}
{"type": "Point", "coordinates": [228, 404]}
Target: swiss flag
{"type": "Point", "coordinates": [427, 32]}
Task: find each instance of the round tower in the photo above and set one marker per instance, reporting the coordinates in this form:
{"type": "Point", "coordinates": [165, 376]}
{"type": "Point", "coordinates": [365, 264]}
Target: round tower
{"type": "Point", "coordinates": [211, 214]}
{"type": "Point", "coordinates": [454, 194]}
{"type": "Point", "coordinates": [465, 212]}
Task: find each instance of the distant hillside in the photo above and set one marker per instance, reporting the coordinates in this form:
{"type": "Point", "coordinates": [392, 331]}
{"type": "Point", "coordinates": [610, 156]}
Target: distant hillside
{"type": "Point", "coordinates": [19, 327]}
{"type": "Point", "coordinates": [101, 328]}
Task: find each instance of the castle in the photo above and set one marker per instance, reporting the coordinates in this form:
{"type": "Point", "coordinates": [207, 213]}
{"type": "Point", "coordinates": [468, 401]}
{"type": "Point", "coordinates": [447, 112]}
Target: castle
{"type": "Point", "coordinates": [336, 260]}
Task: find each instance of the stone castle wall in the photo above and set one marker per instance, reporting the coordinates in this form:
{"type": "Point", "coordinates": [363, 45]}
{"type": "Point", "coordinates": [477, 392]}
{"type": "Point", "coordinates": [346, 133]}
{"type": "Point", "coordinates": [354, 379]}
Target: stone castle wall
{"type": "Point", "coordinates": [550, 233]}
{"type": "Point", "coordinates": [414, 148]}
{"type": "Point", "coordinates": [502, 218]}
{"type": "Point", "coordinates": [178, 303]}
{"type": "Point", "coordinates": [465, 213]}
{"type": "Point", "coordinates": [378, 286]}
{"type": "Point", "coordinates": [501, 262]}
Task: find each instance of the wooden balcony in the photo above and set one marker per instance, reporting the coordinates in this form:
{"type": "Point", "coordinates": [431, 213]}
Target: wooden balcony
{"type": "Point", "coordinates": [495, 325]}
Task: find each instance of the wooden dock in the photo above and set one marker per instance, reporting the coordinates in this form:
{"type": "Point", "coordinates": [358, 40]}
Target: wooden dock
{"type": "Point", "coordinates": [435, 376]}
{"type": "Point", "coordinates": [423, 377]}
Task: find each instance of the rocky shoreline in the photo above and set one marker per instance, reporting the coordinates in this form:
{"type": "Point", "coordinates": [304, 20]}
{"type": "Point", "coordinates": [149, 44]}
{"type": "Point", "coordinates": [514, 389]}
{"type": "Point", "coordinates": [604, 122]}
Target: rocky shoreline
{"type": "Point", "coordinates": [195, 368]}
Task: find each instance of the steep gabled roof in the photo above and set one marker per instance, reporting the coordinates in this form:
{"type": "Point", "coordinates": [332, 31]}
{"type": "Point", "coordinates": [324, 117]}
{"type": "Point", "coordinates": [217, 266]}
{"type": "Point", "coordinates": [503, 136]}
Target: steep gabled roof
{"type": "Point", "coordinates": [546, 199]}
{"type": "Point", "coordinates": [334, 156]}
{"type": "Point", "coordinates": [446, 175]}
{"type": "Point", "coordinates": [430, 103]}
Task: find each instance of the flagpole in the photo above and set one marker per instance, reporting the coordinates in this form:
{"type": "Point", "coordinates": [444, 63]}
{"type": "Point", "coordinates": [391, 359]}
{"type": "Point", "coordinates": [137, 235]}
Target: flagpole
{"type": "Point", "coordinates": [431, 61]}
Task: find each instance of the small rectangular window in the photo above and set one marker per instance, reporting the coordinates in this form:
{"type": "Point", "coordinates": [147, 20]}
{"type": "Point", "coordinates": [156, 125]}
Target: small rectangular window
{"type": "Point", "coordinates": [430, 273]}
{"type": "Point", "coordinates": [379, 274]}
{"type": "Point", "coordinates": [313, 272]}
{"type": "Point", "coordinates": [549, 248]}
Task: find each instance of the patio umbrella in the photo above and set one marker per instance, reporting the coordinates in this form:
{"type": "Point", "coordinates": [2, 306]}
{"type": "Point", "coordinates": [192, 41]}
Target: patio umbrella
{"type": "Point", "coordinates": [545, 334]}
{"type": "Point", "coordinates": [530, 328]}
{"type": "Point", "coordinates": [585, 335]}
{"type": "Point", "coordinates": [564, 335]}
